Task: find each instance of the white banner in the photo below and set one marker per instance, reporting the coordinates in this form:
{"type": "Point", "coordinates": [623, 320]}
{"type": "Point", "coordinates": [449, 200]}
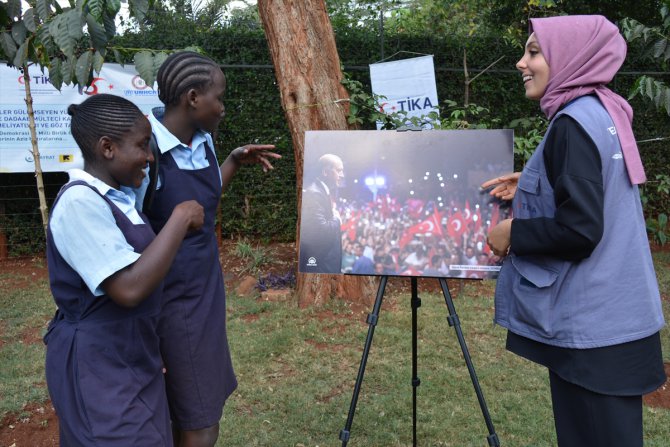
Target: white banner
{"type": "Point", "coordinates": [58, 150]}
{"type": "Point", "coordinates": [408, 85]}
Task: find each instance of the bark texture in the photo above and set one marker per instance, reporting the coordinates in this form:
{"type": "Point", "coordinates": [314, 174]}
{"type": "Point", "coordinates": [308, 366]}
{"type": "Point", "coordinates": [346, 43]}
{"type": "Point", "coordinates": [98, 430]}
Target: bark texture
{"type": "Point", "coordinates": [307, 67]}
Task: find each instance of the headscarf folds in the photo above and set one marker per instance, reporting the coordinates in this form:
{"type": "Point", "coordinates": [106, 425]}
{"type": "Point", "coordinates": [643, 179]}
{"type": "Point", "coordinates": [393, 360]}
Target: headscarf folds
{"type": "Point", "coordinates": [584, 53]}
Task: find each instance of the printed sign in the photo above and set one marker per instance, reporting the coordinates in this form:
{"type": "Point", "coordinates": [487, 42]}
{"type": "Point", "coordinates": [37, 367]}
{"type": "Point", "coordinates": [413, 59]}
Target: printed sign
{"type": "Point", "coordinates": [408, 85]}
{"type": "Point", "coordinates": [58, 150]}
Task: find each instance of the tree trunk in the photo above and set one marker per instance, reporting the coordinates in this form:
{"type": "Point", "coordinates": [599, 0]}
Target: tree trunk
{"type": "Point", "coordinates": [44, 211]}
{"type": "Point", "coordinates": [307, 68]}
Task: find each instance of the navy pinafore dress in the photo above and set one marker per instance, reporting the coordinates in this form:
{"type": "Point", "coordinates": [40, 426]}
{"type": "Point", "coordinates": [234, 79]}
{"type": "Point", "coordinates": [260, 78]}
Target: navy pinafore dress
{"type": "Point", "coordinates": [192, 326]}
{"type": "Point", "coordinates": [103, 364]}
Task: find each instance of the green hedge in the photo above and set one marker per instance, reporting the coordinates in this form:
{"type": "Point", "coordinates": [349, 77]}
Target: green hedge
{"type": "Point", "coordinates": [260, 205]}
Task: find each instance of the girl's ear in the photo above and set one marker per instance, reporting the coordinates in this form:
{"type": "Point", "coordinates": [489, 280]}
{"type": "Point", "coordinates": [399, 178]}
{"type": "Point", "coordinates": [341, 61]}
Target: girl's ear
{"type": "Point", "coordinates": [192, 97]}
{"type": "Point", "coordinates": [105, 148]}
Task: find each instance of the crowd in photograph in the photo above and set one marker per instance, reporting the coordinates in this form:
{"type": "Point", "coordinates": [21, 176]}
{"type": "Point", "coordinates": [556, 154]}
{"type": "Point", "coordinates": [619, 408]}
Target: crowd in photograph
{"type": "Point", "coordinates": [418, 238]}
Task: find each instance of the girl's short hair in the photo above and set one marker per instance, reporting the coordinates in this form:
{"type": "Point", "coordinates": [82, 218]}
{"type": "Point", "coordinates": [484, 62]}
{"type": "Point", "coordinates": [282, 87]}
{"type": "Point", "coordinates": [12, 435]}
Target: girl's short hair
{"type": "Point", "coordinates": [181, 72]}
{"type": "Point", "coordinates": [101, 115]}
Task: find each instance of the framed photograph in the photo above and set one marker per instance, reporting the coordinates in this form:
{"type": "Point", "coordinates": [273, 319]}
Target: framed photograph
{"type": "Point", "coordinates": [402, 203]}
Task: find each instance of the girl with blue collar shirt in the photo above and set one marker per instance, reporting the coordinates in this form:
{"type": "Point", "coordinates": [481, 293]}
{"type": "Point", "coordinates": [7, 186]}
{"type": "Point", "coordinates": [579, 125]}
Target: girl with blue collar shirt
{"type": "Point", "coordinates": [106, 266]}
{"type": "Point", "coordinates": [192, 327]}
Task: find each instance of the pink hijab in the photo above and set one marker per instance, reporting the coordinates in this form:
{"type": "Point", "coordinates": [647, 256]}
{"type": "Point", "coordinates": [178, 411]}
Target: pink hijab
{"type": "Point", "coordinates": [584, 53]}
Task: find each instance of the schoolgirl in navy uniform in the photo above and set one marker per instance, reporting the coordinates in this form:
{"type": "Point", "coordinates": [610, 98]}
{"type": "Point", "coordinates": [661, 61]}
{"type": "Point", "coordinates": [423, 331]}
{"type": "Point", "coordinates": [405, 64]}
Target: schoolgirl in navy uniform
{"type": "Point", "coordinates": [577, 290]}
{"type": "Point", "coordinates": [192, 328]}
{"type": "Point", "coordinates": [106, 266]}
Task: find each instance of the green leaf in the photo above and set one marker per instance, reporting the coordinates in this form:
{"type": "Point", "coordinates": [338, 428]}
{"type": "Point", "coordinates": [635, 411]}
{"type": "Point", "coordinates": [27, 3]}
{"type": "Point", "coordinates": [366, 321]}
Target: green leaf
{"type": "Point", "coordinates": [98, 60]}
{"type": "Point", "coordinates": [96, 8]}
{"type": "Point", "coordinates": [83, 68]}
{"type": "Point", "coordinates": [97, 33]}
{"type": "Point", "coordinates": [635, 89]}
{"type": "Point", "coordinates": [638, 30]}
{"type": "Point", "coordinates": [667, 100]}
{"type": "Point", "coordinates": [75, 24]}
{"type": "Point", "coordinates": [45, 39]}
{"type": "Point", "coordinates": [29, 20]}
{"type": "Point", "coordinates": [13, 9]}
{"type": "Point", "coordinates": [21, 56]}
{"type": "Point", "coordinates": [19, 32]}
{"type": "Point", "coordinates": [662, 220]}
{"type": "Point", "coordinates": [8, 45]}
{"type": "Point", "coordinates": [117, 57]}
{"type": "Point", "coordinates": [66, 29]}
{"type": "Point", "coordinates": [43, 9]}
{"type": "Point", "coordinates": [159, 58]}
{"type": "Point", "coordinates": [55, 73]}
{"type": "Point", "coordinates": [659, 47]}
{"type": "Point", "coordinates": [649, 87]}
{"type": "Point", "coordinates": [144, 64]}
{"type": "Point", "coordinates": [67, 70]}
{"type": "Point", "coordinates": [113, 7]}
{"type": "Point", "coordinates": [659, 96]}
{"type": "Point", "coordinates": [138, 9]}
{"type": "Point", "coordinates": [110, 26]}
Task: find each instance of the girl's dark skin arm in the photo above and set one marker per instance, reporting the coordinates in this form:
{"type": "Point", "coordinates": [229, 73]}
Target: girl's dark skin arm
{"type": "Point", "coordinates": [249, 154]}
{"type": "Point", "coordinates": [133, 284]}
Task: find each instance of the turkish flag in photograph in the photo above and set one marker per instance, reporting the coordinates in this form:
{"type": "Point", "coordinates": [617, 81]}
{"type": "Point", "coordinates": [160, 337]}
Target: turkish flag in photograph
{"type": "Point", "coordinates": [456, 225]}
{"type": "Point", "coordinates": [430, 225]}
{"type": "Point", "coordinates": [467, 214]}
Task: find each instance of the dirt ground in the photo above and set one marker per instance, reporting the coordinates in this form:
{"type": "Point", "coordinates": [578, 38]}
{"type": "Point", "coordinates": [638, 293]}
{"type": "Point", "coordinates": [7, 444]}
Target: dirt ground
{"type": "Point", "coordinates": [37, 425]}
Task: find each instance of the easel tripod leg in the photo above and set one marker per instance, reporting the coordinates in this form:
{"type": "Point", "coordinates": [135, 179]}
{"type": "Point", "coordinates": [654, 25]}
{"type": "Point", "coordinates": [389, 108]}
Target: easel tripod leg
{"type": "Point", "coordinates": [372, 322]}
{"type": "Point", "coordinates": [455, 322]}
{"type": "Point", "coordinates": [416, 303]}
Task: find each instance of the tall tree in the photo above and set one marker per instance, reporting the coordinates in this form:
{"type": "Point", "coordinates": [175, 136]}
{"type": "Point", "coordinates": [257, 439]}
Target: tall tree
{"type": "Point", "coordinates": [307, 68]}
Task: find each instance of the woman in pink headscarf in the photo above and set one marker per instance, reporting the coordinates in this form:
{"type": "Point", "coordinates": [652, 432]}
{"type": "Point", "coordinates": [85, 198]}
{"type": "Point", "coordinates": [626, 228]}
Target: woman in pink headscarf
{"type": "Point", "coordinates": [577, 290]}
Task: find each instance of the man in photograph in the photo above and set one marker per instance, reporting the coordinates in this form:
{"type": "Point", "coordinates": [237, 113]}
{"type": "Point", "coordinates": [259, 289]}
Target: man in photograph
{"type": "Point", "coordinates": [320, 234]}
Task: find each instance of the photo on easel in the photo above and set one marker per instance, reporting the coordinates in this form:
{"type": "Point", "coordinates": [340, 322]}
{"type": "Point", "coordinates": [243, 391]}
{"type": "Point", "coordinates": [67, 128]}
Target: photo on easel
{"type": "Point", "coordinates": [388, 203]}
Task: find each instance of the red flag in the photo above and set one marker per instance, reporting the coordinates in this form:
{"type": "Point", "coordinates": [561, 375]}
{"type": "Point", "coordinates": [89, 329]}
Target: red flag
{"type": "Point", "coordinates": [430, 225]}
{"type": "Point", "coordinates": [385, 209]}
{"type": "Point", "coordinates": [477, 218]}
{"type": "Point", "coordinates": [414, 208]}
{"type": "Point", "coordinates": [436, 219]}
{"type": "Point", "coordinates": [456, 225]}
{"type": "Point", "coordinates": [407, 237]}
{"type": "Point", "coordinates": [350, 226]}
{"type": "Point", "coordinates": [495, 216]}
{"type": "Point", "coordinates": [467, 214]}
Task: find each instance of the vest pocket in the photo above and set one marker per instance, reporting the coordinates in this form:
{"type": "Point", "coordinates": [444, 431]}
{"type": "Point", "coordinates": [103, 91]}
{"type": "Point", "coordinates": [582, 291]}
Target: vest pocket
{"type": "Point", "coordinates": [530, 180]}
{"type": "Point", "coordinates": [533, 294]}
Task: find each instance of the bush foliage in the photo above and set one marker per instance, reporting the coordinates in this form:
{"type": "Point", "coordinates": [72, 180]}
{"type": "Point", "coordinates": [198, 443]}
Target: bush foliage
{"type": "Point", "coordinates": [261, 205]}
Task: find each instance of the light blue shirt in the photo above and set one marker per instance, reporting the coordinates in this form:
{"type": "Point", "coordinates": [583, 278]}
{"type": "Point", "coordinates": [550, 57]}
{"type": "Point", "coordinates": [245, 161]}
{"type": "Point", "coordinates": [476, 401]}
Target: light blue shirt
{"type": "Point", "coordinates": [85, 232]}
{"type": "Point", "coordinates": [187, 158]}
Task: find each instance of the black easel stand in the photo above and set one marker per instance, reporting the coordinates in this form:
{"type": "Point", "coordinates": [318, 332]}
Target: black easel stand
{"type": "Point", "coordinates": [453, 321]}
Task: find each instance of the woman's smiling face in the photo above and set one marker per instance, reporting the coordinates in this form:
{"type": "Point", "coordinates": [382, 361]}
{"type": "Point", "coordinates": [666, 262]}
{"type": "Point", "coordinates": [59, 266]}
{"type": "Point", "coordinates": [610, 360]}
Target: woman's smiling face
{"type": "Point", "coordinates": [534, 69]}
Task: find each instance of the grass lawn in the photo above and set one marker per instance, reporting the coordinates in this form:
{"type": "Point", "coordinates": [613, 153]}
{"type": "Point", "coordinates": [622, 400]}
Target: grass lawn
{"type": "Point", "coordinates": [297, 368]}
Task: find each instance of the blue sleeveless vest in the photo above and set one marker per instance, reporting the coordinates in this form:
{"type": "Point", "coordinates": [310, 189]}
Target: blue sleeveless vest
{"type": "Point", "coordinates": [608, 298]}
